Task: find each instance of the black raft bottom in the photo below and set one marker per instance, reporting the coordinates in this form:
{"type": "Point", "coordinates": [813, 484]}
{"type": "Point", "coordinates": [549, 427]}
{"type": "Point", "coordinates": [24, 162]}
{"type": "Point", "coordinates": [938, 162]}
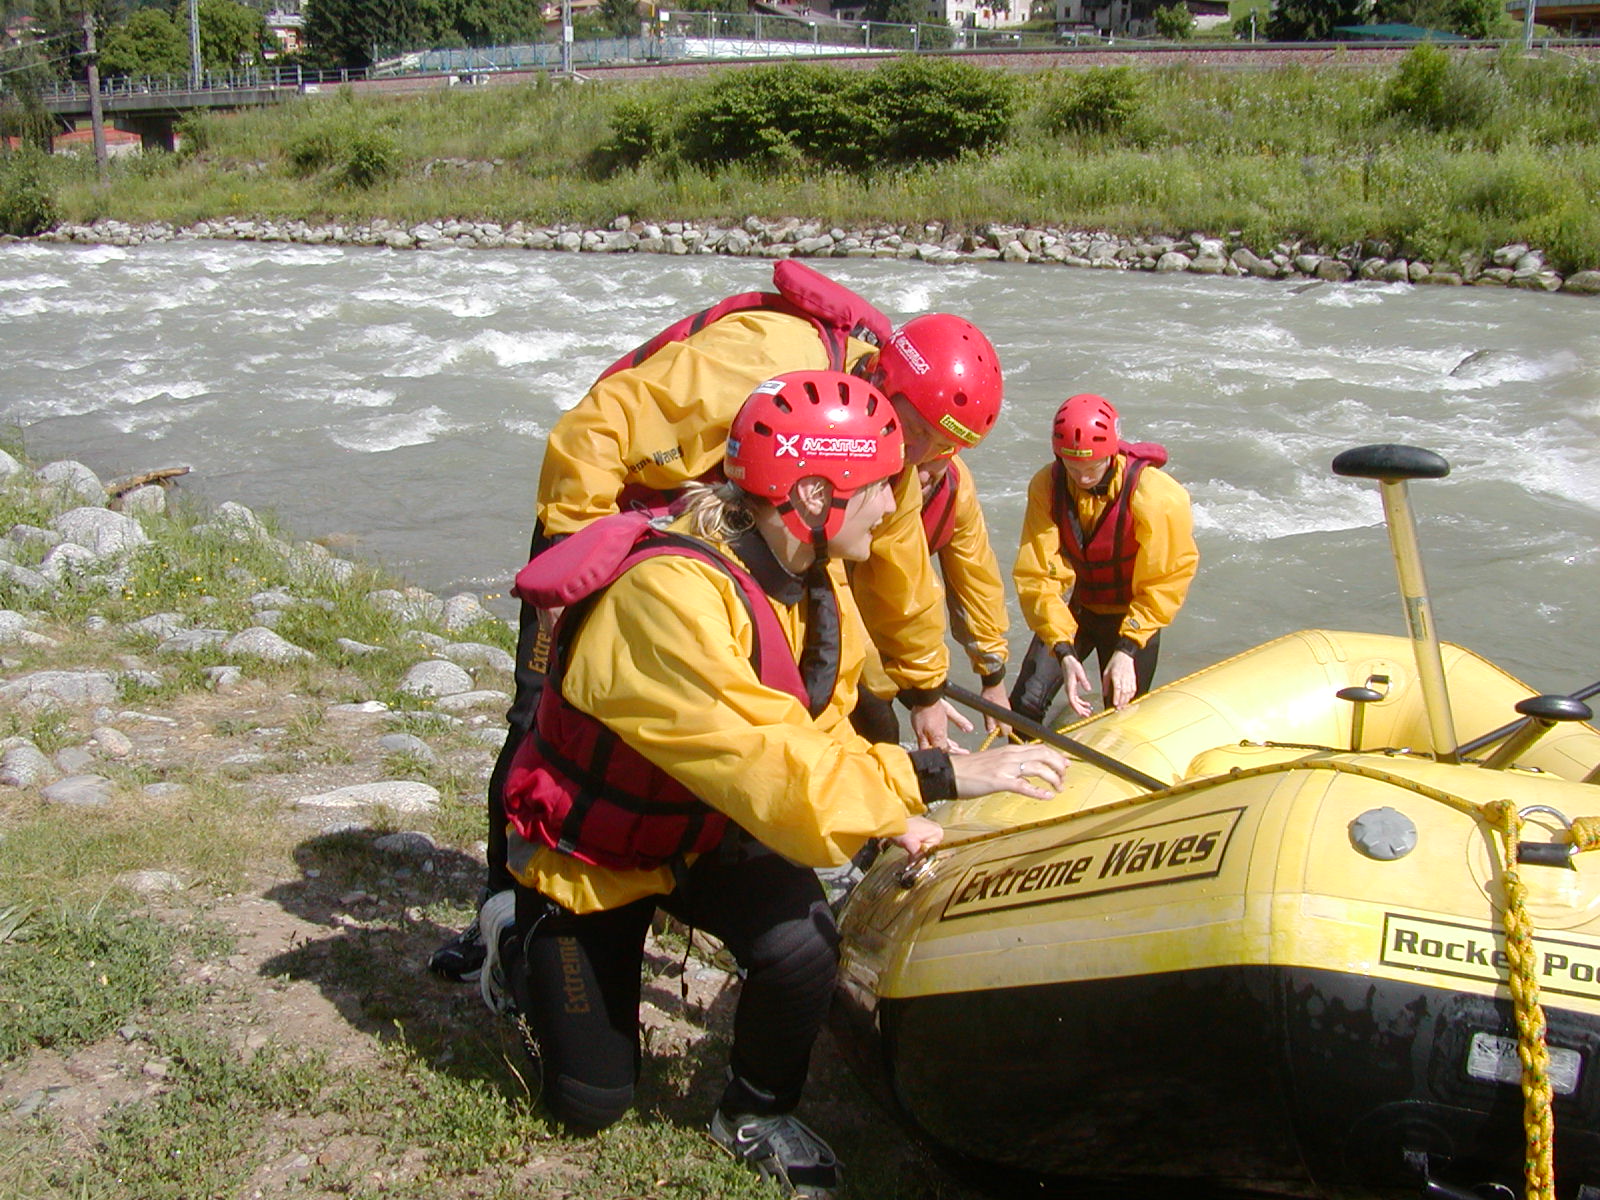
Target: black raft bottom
{"type": "Point", "coordinates": [1254, 1079]}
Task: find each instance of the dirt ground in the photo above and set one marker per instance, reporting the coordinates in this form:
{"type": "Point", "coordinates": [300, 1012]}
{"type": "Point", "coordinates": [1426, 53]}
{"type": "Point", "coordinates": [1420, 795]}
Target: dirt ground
{"type": "Point", "coordinates": [330, 940]}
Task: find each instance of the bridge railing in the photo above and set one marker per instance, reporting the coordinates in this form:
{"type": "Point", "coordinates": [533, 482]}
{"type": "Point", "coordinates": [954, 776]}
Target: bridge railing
{"type": "Point", "coordinates": [245, 79]}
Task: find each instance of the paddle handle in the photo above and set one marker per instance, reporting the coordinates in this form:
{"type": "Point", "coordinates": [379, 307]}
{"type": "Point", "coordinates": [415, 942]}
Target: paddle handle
{"type": "Point", "coordinates": [1051, 738]}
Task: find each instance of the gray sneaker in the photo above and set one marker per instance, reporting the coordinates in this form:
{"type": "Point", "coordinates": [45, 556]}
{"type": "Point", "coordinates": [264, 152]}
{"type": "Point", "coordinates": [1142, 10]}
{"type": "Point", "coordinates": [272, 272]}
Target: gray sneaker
{"type": "Point", "coordinates": [497, 916]}
{"type": "Point", "coordinates": [781, 1148]}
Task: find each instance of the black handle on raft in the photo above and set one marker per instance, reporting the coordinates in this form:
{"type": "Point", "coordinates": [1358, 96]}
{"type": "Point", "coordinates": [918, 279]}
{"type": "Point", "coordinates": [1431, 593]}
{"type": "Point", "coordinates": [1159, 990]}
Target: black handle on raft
{"type": "Point", "coordinates": [1510, 727]}
{"type": "Point", "coordinates": [1050, 737]}
{"type": "Point", "coordinates": [1547, 854]}
{"type": "Point", "coordinates": [1388, 462]}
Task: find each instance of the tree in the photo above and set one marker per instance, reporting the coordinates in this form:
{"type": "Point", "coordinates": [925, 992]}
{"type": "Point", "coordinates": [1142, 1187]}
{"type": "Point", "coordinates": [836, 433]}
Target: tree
{"type": "Point", "coordinates": [1470, 18]}
{"type": "Point", "coordinates": [621, 17]}
{"type": "Point", "coordinates": [1314, 20]}
{"type": "Point", "coordinates": [147, 43]}
{"type": "Point", "coordinates": [1175, 22]}
{"type": "Point", "coordinates": [231, 35]}
{"type": "Point", "coordinates": [349, 33]}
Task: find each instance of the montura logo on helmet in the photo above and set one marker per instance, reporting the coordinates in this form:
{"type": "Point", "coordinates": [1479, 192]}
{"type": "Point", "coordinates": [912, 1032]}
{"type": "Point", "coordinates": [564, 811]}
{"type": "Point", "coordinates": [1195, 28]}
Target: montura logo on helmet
{"type": "Point", "coordinates": [912, 355]}
{"type": "Point", "coordinates": [838, 447]}
{"type": "Point", "coordinates": [786, 445]}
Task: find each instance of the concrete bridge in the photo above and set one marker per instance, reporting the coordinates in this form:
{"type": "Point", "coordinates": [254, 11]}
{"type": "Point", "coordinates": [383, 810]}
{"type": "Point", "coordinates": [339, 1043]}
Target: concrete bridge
{"type": "Point", "coordinates": [152, 107]}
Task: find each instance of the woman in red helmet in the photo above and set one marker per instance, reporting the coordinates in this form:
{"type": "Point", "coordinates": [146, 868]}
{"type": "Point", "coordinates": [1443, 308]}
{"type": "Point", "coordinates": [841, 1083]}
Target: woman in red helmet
{"type": "Point", "coordinates": [692, 752]}
{"type": "Point", "coordinates": [1106, 559]}
{"type": "Point", "coordinates": [657, 419]}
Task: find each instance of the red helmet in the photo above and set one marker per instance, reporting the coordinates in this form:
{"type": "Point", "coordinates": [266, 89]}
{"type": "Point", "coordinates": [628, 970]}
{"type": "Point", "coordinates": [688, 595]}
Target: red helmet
{"type": "Point", "coordinates": [948, 371]}
{"type": "Point", "coordinates": [1086, 427]}
{"type": "Point", "coordinates": [813, 423]}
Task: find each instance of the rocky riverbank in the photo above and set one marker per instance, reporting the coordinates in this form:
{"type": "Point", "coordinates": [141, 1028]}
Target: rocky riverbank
{"type": "Point", "coordinates": [1515, 265]}
{"type": "Point", "coordinates": [241, 784]}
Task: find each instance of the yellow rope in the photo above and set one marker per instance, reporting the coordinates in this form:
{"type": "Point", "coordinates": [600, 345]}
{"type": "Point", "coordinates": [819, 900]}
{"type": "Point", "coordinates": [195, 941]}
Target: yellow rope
{"type": "Point", "coordinates": [1537, 1120]}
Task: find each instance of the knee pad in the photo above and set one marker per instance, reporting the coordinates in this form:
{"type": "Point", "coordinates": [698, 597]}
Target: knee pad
{"type": "Point", "coordinates": [585, 1107]}
{"type": "Point", "coordinates": [807, 948]}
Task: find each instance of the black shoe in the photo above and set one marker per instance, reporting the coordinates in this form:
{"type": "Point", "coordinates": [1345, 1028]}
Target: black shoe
{"type": "Point", "coordinates": [782, 1149]}
{"type": "Point", "coordinates": [460, 960]}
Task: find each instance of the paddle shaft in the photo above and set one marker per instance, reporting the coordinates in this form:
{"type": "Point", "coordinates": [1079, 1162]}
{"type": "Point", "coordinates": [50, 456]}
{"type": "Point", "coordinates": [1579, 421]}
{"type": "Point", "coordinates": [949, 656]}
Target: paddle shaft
{"type": "Point", "coordinates": [1419, 618]}
{"type": "Point", "coordinates": [1510, 727]}
{"type": "Point", "coordinates": [1050, 737]}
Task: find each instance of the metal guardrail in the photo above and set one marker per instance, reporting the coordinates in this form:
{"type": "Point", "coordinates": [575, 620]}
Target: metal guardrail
{"type": "Point", "coordinates": [254, 79]}
{"type": "Point", "coordinates": [726, 36]}
{"type": "Point", "coordinates": [692, 35]}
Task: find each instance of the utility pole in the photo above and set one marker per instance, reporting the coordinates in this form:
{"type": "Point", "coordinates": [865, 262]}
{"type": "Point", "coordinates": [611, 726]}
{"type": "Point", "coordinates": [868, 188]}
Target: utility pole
{"type": "Point", "coordinates": [566, 38]}
{"type": "Point", "coordinates": [194, 44]}
{"type": "Point", "coordinates": [97, 121]}
{"type": "Point", "coordinates": [1527, 24]}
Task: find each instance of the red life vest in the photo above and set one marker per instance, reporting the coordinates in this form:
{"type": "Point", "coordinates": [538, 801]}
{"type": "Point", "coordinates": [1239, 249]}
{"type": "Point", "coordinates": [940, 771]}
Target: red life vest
{"type": "Point", "coordinates": [939, 512]}
{"type": "Point", "coordinates": [1102, 558]}
{"type": "Point", "coordinates": [573, 784]}
{"type": "Point", "coordinates": [836, 312]}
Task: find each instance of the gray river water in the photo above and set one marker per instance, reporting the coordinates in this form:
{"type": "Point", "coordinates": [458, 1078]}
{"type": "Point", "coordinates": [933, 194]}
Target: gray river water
{"type": "Point", "coordinates": [401, 400]}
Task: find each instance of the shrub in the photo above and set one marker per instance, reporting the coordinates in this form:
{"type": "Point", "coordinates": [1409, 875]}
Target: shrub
{"type": "Point", "coordinates": [1175, 22]}
{"type": "Point", "coordinates": [1432, 90]}
{"type": "Point", "coordinates": [27, 205]}
{"type": "Point", "coordinates": [770, 117]}
{"type": "Point", "coordinates": [358, 155]}
{"type": "Point", "coordinates": [370, 155]}
{"type": "Point", "coordinates": [927, 109]}
{"type": "Point", "coordinates": [1104, 100]}
{"type": "Point", "coordinates": [641, 127]}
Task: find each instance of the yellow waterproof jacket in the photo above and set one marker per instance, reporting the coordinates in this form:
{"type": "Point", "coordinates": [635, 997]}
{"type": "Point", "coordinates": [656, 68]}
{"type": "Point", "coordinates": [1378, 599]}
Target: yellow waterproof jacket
{"type": "Point", "coordinates": [663, 659]}
{"type": "Point", "coordinates": [665, 422]}
{"type": "Point", "coordinates": [1164, 528]}
{"type": "Point", "coordinates": [974, 592]}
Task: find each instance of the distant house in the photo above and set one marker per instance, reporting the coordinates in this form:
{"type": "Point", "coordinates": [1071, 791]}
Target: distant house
{"type": "Point", "coordinates": [286, 24]}
{"type": "Point", "coordinates": [81, 141]}
{"type": "Point", "coordinates": [979, 14]}
{"type": "Point", "coordinates": [1568, 18]}
{"type": "Point", "coordinates": [1131, 18]}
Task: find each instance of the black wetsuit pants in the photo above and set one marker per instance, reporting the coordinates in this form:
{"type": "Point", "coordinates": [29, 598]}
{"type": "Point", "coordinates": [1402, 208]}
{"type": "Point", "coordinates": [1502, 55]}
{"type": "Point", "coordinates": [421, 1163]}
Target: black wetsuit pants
{"type": "Point", "coordinates": [519, 720]}
{"type": "Point", "coordinates": [1039, 678]}
{"type": "Point", "coordinates": [579, 982]}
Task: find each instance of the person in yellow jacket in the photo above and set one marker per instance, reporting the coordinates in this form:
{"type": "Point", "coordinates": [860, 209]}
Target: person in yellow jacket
{"type": "Point", "coordinates": [1105, 563]}
{"type": "Point", "coordinates": [943, 412]}
{"type": "Point", "coordinates": [692, 752]}
{"type": "Point", "coordinates": [658, 419]}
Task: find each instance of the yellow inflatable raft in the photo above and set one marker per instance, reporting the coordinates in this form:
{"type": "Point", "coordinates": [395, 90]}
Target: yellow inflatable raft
{"type": "Point", "coordinates": [1296, 938]}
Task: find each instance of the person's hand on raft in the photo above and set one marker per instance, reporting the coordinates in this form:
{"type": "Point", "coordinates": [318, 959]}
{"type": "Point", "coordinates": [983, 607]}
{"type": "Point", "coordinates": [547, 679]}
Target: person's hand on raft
{"type": "Point", "coordinates": [921, 835]}
{"type": "Point", "coordinates": [1030, 770]}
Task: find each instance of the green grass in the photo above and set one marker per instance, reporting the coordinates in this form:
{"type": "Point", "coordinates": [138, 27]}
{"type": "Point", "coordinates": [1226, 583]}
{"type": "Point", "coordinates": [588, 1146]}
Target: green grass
{"type": "Point", "coordinates": [1327, 155]}
{"type": "Point", "coordinates": [72, 973]}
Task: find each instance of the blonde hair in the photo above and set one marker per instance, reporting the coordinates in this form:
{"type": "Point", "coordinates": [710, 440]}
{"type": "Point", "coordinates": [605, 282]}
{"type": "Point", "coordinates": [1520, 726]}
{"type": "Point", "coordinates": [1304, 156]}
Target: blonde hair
{"type": "Point", "coordinates": [720, 511]}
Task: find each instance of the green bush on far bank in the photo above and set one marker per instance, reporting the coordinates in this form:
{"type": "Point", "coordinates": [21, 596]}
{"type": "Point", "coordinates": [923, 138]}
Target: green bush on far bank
{"type": "Point", "coordinates": [1446, 153]}
{"type": "Point", "coordinates": [27, 204]}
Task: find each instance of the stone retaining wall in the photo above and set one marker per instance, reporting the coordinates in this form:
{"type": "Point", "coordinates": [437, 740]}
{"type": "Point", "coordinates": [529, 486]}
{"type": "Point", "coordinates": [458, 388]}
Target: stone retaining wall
{"type": "Point", "coordinates": [1514, 265]}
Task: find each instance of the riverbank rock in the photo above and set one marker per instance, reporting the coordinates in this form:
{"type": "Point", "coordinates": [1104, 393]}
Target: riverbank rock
{"type": "Point", "coordinates": [1515, 264]}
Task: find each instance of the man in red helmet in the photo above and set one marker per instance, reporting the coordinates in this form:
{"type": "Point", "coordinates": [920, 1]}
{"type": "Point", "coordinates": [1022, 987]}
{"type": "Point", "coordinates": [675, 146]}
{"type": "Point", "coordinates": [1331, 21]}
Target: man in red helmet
{"type": "Point", "coordinates": [1106, 560]}
{"type": "Point", "coordinates": [943, 410]}
{"type": "Point", "coordinates": [657, 419]}
{"type": "Point", "coordinates": [692, 752]}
